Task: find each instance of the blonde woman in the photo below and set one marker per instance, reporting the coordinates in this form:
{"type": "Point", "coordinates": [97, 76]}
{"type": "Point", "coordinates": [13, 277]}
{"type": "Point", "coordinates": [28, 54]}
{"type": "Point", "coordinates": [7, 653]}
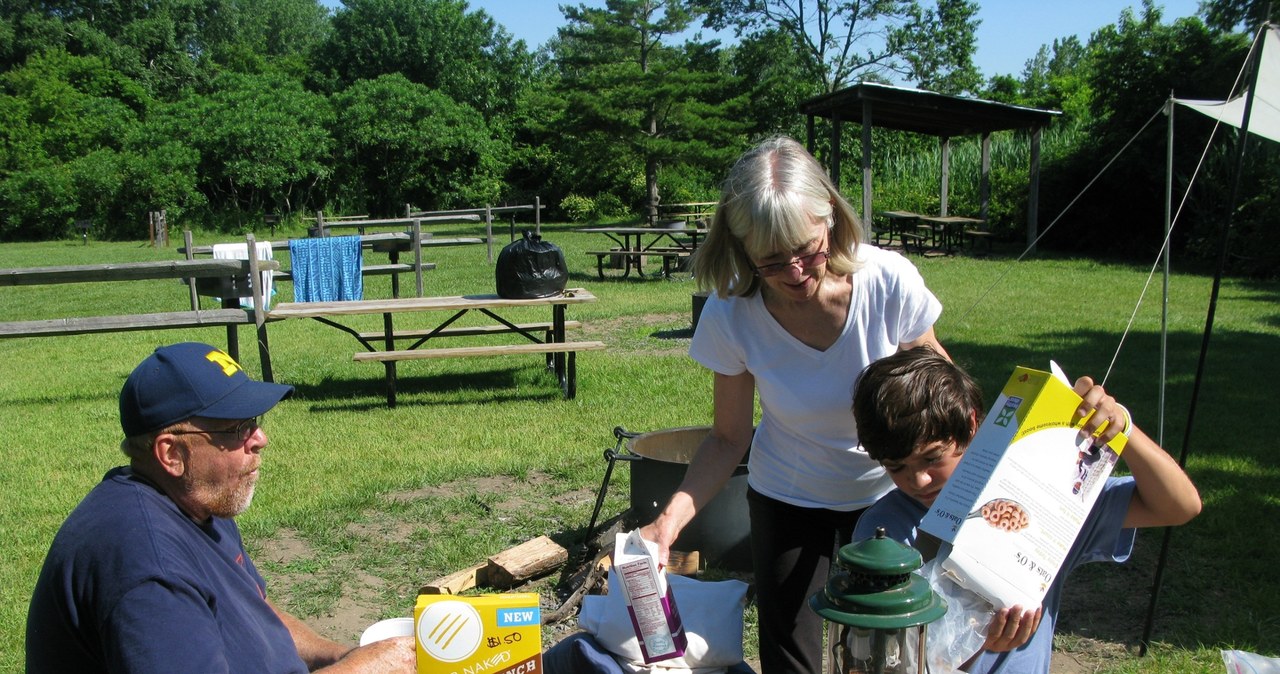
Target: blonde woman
{"type": "Point", "coordinates": [800, 306]}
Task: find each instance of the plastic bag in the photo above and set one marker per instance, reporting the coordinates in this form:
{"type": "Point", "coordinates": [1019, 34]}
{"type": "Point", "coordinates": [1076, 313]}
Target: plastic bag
{"type": "Point", "coordinates": [959, 635]}
{"type": "Point", "coordinates": [1243, 662]}
{"type": "Point", "coordinates": [529, 268]}
{"type": "Point", "coordinates": [713, 619]}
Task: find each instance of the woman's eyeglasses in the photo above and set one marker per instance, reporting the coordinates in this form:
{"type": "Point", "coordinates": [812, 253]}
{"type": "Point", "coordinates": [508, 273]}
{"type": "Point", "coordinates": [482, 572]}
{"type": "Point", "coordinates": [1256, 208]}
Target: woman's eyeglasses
{"type": "Point", "coordinates": [241, 431]}
{"type": "Point", "coordinates": [806, 262]}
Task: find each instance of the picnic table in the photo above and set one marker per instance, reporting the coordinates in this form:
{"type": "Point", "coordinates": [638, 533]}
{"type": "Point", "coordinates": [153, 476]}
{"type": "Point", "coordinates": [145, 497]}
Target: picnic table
{"type": "Point", "coordinates": [380, 346]}
{"type": "Point", "coordinates": [900, 225]}
{"type": "Point", "coordinates": [670, 244]}
{"type": "Point", "coordinates": [947, 230]}
{"type": "Point", "coordinates": [689, 212]}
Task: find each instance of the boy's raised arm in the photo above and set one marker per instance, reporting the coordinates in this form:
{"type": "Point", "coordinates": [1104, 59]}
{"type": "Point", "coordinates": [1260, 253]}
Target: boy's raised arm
{"type": "Point", "coordinates": [1163, 494]}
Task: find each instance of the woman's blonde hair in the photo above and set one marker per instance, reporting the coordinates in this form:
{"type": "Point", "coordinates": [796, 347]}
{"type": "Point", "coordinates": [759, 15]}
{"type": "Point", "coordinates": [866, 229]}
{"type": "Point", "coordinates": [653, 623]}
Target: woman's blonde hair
{"type": "Point", "coordinates": [769, 203]}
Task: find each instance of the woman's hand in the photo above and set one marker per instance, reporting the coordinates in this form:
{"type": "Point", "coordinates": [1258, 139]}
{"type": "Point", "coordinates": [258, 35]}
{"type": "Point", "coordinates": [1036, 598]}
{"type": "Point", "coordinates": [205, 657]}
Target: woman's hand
{"type": "Point", "coordinates": [1011, 628]}
{"type": "Point", "coordinates": [653, 532]}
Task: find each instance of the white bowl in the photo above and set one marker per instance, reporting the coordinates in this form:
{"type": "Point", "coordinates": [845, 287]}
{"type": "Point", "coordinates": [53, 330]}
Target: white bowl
{"type": "Point", "coordinates": [385, 629]}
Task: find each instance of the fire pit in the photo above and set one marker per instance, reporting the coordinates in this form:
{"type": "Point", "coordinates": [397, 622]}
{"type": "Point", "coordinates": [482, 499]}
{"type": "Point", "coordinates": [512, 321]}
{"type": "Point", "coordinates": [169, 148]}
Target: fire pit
{"type": "Point", "coordinates": [721, 532]}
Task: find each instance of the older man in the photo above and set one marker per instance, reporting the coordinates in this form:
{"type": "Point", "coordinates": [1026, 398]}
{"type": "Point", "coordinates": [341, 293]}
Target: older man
{"type": "Point", "coordinates": [148, 573]}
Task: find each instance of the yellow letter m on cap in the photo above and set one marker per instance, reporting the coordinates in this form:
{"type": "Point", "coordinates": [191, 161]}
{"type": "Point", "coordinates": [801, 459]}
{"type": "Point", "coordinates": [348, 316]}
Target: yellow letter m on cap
{"type": "Point", "coordinates": [227, 363]}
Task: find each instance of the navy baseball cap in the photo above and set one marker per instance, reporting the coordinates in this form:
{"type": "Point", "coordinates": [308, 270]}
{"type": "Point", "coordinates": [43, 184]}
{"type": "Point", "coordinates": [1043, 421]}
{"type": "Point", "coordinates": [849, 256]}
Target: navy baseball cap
{"type": "Point", "coordinates": [191, 379]}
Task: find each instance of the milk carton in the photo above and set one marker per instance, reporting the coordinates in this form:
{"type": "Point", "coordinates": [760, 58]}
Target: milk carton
{"type": "Point", "coordinates": [484, 634]}
{"type": "Point", "coordinates": [1019, 496]}
{"type": "Point", "coordinates": [650, 603]}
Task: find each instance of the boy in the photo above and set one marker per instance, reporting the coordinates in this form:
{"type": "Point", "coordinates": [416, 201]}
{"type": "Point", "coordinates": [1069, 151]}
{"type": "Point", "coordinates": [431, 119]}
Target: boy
{"type": "Point", "coordinates": [917, 412]}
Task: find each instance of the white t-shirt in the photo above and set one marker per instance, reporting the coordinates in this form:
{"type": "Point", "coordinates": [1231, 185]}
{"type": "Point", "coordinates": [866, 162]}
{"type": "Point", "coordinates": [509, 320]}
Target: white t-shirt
{"type": "Point", "coordinates": [805, 451]}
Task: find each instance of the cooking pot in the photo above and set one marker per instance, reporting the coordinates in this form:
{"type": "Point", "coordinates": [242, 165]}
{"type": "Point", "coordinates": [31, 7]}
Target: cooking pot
{"type": "Point", "coordinates": [721, 531]}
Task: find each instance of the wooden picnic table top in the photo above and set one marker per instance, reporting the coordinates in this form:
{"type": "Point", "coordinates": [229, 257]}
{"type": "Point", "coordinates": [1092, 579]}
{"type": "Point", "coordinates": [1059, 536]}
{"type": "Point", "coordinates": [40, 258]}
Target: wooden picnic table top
{"type": "Point", "coordinates": [902, 215]}
{"type": "Point", "coordinates": [129, 271]}
{"type": "Point", "coordinates": [644, 230]}
{"type": "Point", "coordinates": [460, 302]}
{"type": "Point", "coordinates": [477, 212]}
{"type": "Point", "coordinates": [952, 219]}
{"type": "Point", "coordinates": [425, 219]}
{"type": "Point", "coordinates": [375, 241]}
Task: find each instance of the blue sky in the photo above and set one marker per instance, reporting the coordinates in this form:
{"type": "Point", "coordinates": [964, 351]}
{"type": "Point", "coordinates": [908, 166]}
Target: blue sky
{"type": "Point", "coordinates": [1010, 33]}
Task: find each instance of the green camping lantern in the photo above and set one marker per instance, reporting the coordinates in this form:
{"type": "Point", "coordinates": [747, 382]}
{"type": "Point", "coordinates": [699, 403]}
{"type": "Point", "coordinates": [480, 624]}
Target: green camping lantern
{"type": "Point", "coordinates": [882, 606]}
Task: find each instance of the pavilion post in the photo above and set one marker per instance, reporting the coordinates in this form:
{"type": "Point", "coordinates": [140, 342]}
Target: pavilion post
{"type": "Point", "coordinates": [945, 188]}
{"type": "Point", "coordinates": [1033, 191]}
{"type": "Point", "coordinates": [867, 213]}
{"type": "Point", "coordinates": [984, 185]}
{"type": "Point", "coordinates": [835, 148]}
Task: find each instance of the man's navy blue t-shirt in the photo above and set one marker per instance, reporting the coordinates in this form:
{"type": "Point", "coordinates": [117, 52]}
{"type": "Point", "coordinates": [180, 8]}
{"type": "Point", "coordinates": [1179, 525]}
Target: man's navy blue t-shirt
{"type": "Point", "coordinates": [131, 584]}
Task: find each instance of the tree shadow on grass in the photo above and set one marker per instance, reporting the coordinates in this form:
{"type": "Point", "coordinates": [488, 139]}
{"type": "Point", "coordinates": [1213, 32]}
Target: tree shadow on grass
{"type": "Point", "coordinates": [475, 387]}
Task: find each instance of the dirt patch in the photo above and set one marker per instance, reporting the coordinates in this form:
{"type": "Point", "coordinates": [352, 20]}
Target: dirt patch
{"type": "Point", "coordinates": [355, 591]}
{"type": "Point", "coordinates": [657, 334]}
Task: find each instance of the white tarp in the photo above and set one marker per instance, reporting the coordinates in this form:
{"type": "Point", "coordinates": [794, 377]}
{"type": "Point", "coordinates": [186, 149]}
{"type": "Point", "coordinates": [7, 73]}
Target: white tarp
{"type": "Point", "coordinates": [1265, 120]}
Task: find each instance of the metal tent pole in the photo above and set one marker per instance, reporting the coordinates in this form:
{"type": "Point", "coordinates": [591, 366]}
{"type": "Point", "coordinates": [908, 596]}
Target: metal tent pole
{"type": "Point", "coordinates": [1254, 61]}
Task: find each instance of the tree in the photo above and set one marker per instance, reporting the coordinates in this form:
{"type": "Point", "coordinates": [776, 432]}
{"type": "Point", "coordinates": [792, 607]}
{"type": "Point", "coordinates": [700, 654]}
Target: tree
{"type": "Point", "coordinates": [263, 140]}
{"type": "Point", "coordinates": [402, 142]}
{"type": "Point", "coordinates": [629, 97]}
{"type": "Point", "coordinates": [63, 123]}
{"type": "Point", "coordinates": [1055, 78]}
{"type": "Point", "coordinates": [839, 39]}
{"type": "Point", "coordinates": [1131, 68]}
{"type": "Point", "coordinates": [1229, 15]}
{"type": "Point", "coordinates": [944, 62]}
{"type": "Point", "coordinates": [265, 34]}
{"type": "Point", "coordinates": [435, 43]}
{"type": "Point", "coordinates": [772, 78]}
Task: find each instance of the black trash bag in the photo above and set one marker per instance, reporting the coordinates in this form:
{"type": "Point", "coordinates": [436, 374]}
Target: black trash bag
{"type": "Point", "coordinates": [529, 268]}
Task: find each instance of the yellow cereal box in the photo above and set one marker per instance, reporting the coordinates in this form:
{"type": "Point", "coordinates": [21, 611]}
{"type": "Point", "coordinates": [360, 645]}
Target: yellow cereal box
{"type": "Point", "coordinates": [1018, 498]}
{"type": "Point", "coordinates": [484, 634]}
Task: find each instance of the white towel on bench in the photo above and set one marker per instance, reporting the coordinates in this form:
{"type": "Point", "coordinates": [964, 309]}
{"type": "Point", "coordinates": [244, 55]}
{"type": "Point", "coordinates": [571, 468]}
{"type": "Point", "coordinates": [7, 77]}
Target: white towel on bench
{"type": "Point", "coordinates": [240, 251]}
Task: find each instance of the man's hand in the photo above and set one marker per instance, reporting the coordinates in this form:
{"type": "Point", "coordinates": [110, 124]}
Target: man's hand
{"type": "Point", "coordinates": [397, 654]}
{"type": "Point", "coordinates": [1012, 627]}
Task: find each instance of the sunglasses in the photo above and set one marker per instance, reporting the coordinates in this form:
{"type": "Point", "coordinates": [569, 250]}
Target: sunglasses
{"type": "Point", "coordinates": [241, 431]}
{"type": "Point", "coordinates": [806, 262]}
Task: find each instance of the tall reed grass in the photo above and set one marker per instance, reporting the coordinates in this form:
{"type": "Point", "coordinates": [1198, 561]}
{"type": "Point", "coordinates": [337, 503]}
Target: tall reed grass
{"type": "Point", "coordinates": [907, 173]}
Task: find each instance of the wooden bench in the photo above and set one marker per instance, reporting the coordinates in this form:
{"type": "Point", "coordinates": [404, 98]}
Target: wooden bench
{"type": "Point", "coordinates": [473, 330]}
{"type": "Point", "coordinates": [668, 255]}
{"type": "Point", "coordinates": [973, 236]}
{"type": "Point", "coordinates": [910, 241]}
{"type": "Point", "coordinates": [568, 379]}
{"type": "Point", "coordinates": [227, 279]}
{"type": "Point", "coordinates": [547, 328]}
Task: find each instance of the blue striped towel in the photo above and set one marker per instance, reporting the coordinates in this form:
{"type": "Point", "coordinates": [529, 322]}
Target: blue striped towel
{"type": "Point", "coordinates": [326, 269]}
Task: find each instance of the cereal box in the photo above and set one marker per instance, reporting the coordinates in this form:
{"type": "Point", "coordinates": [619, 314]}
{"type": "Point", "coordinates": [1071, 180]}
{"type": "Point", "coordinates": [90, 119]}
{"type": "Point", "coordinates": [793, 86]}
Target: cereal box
{"type": "Point", "coordinates": [483, 634]}
{"type": "Point", "coordinates": [1019, 496]}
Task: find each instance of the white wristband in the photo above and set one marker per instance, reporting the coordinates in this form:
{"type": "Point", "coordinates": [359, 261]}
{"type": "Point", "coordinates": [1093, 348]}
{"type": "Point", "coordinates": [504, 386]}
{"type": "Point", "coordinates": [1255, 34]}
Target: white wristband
{"type": "Point", "coordinates": [1128, 420]}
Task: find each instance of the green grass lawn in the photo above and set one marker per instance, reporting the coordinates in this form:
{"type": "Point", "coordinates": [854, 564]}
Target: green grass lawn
{"type": "Point", "coordinates": [501, 426]}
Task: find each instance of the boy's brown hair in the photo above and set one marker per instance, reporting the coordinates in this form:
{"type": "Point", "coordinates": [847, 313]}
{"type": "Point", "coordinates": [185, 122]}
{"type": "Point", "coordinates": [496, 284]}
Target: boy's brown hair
{"type": "Point", "coordinates": [913, 398]}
